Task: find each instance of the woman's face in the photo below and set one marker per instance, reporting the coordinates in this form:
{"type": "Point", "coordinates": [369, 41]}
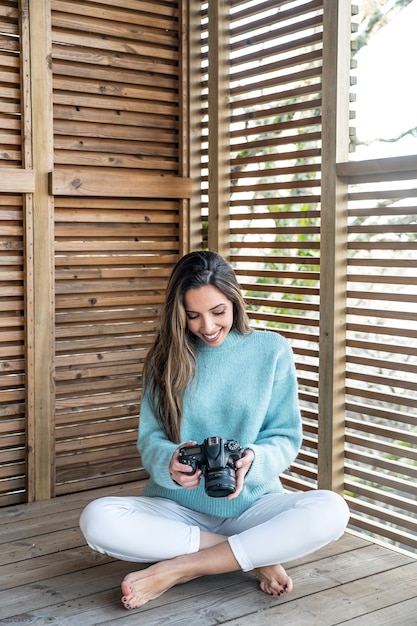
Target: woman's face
{"type": "Point", "coordinates": [209, 314]}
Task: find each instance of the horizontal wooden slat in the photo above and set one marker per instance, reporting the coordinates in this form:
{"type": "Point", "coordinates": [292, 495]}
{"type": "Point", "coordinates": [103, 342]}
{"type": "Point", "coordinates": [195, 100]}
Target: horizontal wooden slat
{"type": "Point", "coordinates": [290, 108]}
{"type": "Point", "coordinates": [382, 211]}
{"type": "Point", "coordinates": [140, 13]}
{"type": "Point", "coordinates": [296, 26]}
{"type": "Point", "coordinates": [393, 519]}
{"type": "Point", "coordinates": [394, 194]}
{"type": "Point", "coordinates": [274, 275]}
{"type": "Point", "coordinates": [385, 427]}
{"type": "Point", "coordinates": [271, 99]}
{"type": "Point", "coordinates": [385, 330]}
{"type": "Point", "coordinates": [166, 53]}
{"type": "Point", "coordinates": [390, 382]}
{"type": "Point", "coordinates": [118, 184]}
{"type": "Point", "coordinates": [367, 171]}
{"type": "Point", "coordinates": [280, 126]}
{"type": "Point", "coordinates": [378, 363]}
{"type": "Point", "coordinates": [282, 261]}
{"type": "Point", "coordinates": [390, 498]}
{"type": "Point", "coordinates": [382, 295]}
{"type": "Point", "coordinates": [280, 200]}
{"type": "Point", "coordinates": [16, 180]}
{"type": "Point", "coordinates": [275, 66]}
{"type": "Point", "coordinates": [371, 460]}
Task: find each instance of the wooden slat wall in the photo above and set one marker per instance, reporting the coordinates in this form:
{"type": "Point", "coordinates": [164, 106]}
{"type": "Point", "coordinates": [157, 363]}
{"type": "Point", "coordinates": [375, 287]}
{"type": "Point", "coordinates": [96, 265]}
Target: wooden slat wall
{"type": "Point", "coordinates": [113, 101]}
{"type": "Point", "coordinates": [109, 284]}
{"type": "Point", "coordinates": [12, 265]}
{"type": "Point", "coordinates": [119, 184]}
{"type": "Point", "coordinates": [275, 142]}
{"type": "Point", "coordinates": [296, 254]}
{"type": "Point", "coordinates": [381, 377]}
{"type": "Point", "coordinates": [12, 353]}
{"type": "Point", "coordinates": [10, 95]}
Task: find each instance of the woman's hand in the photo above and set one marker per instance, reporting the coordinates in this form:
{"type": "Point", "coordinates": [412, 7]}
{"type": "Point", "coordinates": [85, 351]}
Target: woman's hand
{"type": "Point", "coordinates": [242, 468]}
{"type": "Point", "coordinates": [182, 474]}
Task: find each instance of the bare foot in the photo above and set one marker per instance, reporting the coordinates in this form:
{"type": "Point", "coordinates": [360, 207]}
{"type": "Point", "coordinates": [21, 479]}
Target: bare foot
{"type": "Point", "coordinates": [274, 580]}
{"type": "Point", "coordinates": [144, 585]}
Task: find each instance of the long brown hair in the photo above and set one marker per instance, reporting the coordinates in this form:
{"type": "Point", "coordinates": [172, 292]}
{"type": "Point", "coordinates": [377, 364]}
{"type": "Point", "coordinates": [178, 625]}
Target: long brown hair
{"type": "Point", "coordinates": [171, 362]}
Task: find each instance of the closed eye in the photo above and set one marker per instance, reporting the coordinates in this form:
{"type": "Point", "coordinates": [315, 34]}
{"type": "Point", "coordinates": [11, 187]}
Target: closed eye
{"type": "Point", "coordinates": [194, 316]}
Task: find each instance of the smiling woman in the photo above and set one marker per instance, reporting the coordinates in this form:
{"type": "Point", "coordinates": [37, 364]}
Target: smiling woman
{"type": "Point", "coordinates": [210, 378]}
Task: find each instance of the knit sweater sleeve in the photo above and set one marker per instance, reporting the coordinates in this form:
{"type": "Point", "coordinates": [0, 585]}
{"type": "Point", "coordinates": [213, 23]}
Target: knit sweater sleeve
{"type": "Point", "coordinates": [279, 439]}
{"type": "Point", "coordinates": [155, 448]}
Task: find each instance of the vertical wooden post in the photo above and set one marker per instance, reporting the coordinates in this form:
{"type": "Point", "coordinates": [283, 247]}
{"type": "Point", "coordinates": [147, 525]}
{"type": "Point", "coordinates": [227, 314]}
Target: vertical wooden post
{"type": "Point", "coordinates": [184, 125]}
{"type": "Point", "coordinates": [27, 162]}
{"type": "Point", "coordinates": [195, 117]}
{"type": "Point", "coordinates": [335, 147]}
{"type": "Point", "coordinates": [218, 128]}
{"type": "Point", "coordinates": [42, 381]}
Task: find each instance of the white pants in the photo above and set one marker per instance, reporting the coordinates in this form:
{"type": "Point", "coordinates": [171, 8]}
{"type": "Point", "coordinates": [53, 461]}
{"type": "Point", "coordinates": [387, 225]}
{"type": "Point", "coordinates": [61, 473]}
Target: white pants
{"type": "Point", "coordinates": [276, 529]}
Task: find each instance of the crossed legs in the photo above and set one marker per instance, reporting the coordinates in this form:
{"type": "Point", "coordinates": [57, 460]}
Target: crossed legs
{"type": "Point", "coordinates": [183, 544]}
{"type": "Point", "coordinates": [214, 557]}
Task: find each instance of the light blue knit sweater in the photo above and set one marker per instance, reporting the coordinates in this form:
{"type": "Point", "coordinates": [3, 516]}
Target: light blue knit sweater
{"type": "Point", "coordinates": [245, 389]}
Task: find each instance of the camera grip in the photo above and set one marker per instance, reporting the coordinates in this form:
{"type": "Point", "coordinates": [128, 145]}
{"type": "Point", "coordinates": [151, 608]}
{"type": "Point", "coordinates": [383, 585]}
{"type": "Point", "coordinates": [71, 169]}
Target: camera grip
{"type": "Point", "coordinates": [187, 461]}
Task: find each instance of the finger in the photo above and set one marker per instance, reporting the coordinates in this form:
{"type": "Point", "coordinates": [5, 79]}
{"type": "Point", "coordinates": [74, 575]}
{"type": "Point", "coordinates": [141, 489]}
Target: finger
{"type": "Point", "coordinates": [182, 468]}
{"type": "Point", "coordinates": [239, 486]}
{"type": "Point", "coordinates": [186, 480]}
{"type": "Point", "coordinates": [246, 460]}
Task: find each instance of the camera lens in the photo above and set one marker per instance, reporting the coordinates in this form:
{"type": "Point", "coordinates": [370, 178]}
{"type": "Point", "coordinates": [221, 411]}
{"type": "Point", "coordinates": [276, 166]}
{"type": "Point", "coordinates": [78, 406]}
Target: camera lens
{"type": "Point", "coordinates": [220, 482]}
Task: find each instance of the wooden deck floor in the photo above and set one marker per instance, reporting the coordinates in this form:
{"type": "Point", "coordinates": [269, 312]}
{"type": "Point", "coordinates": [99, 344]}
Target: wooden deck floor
{"type": "Point", "coordinates": [49, 577]}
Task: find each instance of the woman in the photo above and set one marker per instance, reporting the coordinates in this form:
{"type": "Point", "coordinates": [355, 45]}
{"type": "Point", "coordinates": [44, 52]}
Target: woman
{"type": "Point", "coordinates": [209, 375]}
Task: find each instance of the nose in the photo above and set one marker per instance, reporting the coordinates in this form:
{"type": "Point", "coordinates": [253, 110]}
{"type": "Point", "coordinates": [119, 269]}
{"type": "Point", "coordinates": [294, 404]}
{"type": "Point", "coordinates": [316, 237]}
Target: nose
{"type": "Point", "coordinates": [207, 325]}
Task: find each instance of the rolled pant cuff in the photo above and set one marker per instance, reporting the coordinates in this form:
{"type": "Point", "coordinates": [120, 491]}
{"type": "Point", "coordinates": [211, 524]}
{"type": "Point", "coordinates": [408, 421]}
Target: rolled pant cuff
{"type": "Point", "coordinates": [239, 553]}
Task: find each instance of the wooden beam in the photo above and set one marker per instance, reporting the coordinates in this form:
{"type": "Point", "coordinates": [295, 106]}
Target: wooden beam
{"type": "Point", "coordinates": [333, 272]}
{"type": "Point", "coordinates": [391, 168]}
{"type": "Point", "coordinates": [29, 179]}
{"type": "Point", "coordinates": [195, 114]}
{"type": "Point", "coordinates": [218, 128]}
{"type": "Point", "coordinates": [184, 126]}
{"type": "Point", "coordinates": [43, 256]}
{"type": "Point", "coordinates": [117, 184]}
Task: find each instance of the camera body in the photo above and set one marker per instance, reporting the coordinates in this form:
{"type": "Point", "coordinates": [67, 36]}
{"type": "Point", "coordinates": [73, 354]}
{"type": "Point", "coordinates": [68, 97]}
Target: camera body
{"type": "Point", "coordinates": [216, 458]}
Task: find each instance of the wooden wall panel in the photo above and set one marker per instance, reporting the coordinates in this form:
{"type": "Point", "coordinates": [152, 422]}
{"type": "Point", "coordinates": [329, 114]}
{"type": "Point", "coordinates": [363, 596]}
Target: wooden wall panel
{"type": "Point", "coordinates": [10, 93]}
{"type": "Point", "coordinates": [113, 258]}
{"type": "Point", "coordinates": [276, 101]}
{"type": "Point", "coordinates": [116, 87]}
{"type": "Point", "coordinates": [13, 422]}
{"type": "Point", "coordinates": [12, 353]}
{"type": "Point", "coordinates": [94, 130]}
{"type": "Point", "coordinates": [120, 188]}
{"type": "Point", "coordinates": [381, 359]}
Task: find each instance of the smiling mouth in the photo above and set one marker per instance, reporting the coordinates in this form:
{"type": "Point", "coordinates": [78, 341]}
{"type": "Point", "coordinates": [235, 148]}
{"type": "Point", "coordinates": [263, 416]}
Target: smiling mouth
{"type": "Point", "coordinates": [212, 338]}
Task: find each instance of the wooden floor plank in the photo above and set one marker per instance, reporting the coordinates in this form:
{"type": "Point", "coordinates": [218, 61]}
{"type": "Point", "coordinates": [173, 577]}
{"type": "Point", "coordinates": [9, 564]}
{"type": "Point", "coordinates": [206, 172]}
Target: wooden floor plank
{"type": "Point", "coordinates": [97, 578]}
{"type": "Point", "coordinates": [344, 604]}
{"type": "Point", "coordinates": [404, 614]}
{"type": "Point", "coordinates": [32, 547]}
{"type": "Point", "coordinates": [49, 566]}
{"type": "Point", "coordinates": [226, 601]}
{"type": "Point", "coordinates": [48, 576]}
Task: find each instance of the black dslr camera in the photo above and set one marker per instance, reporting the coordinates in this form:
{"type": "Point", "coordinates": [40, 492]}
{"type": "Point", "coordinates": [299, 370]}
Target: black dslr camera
{"type": "Point", "coordinates": [216, 458]}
